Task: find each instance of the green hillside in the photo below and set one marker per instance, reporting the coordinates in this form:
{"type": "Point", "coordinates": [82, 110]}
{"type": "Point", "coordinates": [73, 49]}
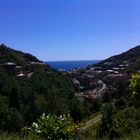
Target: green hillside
{"type": "Point", "coordinates": [131, 56]}
{"type": "Point", "coordinates": [8, 54]}
{"type": "Point", "coordinates": [30, 88]}
{"type": "Point", "coordinates": [36, 90]}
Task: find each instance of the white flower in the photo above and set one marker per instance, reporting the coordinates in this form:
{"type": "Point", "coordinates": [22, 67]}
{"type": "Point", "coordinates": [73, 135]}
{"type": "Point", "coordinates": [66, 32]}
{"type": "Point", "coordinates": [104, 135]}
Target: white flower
{"type": "Point", "coordinates": [38, 131]}
{"type": "Point", "coordinates": [43, 115]}
{"type": "Point", "coordinates": [35, 125]}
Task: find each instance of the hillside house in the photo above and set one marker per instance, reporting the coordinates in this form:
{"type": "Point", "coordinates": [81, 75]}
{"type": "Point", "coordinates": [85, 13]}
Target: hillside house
{"type": "Point", "coordinates": [12, 68]}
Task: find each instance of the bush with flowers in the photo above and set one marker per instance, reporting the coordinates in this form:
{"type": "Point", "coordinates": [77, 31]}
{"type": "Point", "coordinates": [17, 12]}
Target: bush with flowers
{"type": "Point", "coordinates": [51, 127]}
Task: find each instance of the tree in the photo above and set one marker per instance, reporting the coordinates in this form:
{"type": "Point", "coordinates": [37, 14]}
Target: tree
{"type": "Point", "coordinates": [135, 84]}
{"type": "Point", "coordinates": [127, 121]}
{"type": "Point", "coordinates": [106, 128]}
{"type": "Point", "coordinates": [121, 103]}
{"type": "Point", "coordinates": [135, 89]}
{"type": "Point", "coordinates": [13, 121]}
{"type": "Point", "coordinates": [77, 110]}
{"type": "Point", "coordinates": [14, 100]}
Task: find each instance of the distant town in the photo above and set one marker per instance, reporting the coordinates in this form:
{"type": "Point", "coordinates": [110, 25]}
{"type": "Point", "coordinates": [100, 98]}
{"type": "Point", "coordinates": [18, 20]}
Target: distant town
{"type": "Point", "coordinates": [92, 81]}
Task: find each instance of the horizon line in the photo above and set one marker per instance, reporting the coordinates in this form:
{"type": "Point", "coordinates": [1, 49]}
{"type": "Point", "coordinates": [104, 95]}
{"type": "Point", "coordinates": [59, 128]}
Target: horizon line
{"type": "Point", "coordinates": [72, 60]}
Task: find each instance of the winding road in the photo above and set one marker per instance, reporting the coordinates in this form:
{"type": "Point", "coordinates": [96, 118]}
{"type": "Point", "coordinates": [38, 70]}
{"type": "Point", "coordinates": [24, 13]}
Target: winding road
{"type": "Point", "coordinates": [95, 93]}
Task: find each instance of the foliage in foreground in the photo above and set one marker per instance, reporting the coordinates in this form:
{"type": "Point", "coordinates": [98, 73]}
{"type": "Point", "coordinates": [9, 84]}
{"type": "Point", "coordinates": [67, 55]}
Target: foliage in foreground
{"type": "Point", "coordinates": [51, 127]}
{"type": "Point", "coordinates": [126, 120]}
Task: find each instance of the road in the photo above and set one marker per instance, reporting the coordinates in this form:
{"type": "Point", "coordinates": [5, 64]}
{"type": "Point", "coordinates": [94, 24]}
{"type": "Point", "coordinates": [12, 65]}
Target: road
{"type": "Point", "coordinates": [103, 89]}
{"type": "Point", "coordinates": [95, 93]}
{"type": "Point", "coordinates": [92, 122]}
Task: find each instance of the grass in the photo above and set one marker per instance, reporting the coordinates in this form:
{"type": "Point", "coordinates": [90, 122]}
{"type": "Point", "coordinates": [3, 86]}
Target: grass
{"type": "Point", "coordinates": [89, 118]}
{"type": "Point", "coordinates": [134, 137]}
{"type": "Point", "coordinates": [5, 136]}
{"type": "Point", "coordinates": [86, 133]}
{"type": "Point", "coordinates": [90, 133]}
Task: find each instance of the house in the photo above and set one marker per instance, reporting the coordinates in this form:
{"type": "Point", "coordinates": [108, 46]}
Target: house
{"type": "Point", "coordinates": [12, 68]}
{"type": "Point", "coordinates": [92, 69]}
{"type": "Point", "coordinates": [108, 63]}
{"type": "Point", "coordinates": [21, 75]}
{"type": "Point", "coordinates": [29, 75]}
{"type": "Point", "coordinates": [18, 70]}
{"type": "Point", "coordinates": [116, 72]}
{"type": "Point", "coordinates": [76, 82]}
{"type": "Point", "coordinates": [9, 67]}
{"type": "Point", "coordinates": [97, 71]}
{"type": "Point", "coordinates": [36, 63]}
{"type": "Point", "coordinates": [121, 65]}
{"type": "Point", "coordinates": [110, 71]}
{"type": "Point", "coordinates": [115, 68]}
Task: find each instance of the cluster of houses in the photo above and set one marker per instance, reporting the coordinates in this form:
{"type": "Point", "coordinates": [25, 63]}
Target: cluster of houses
{"type": "Point", "coordinates": [17, 70]}
{"type": "Point", "coordinates": [91, 74]}
{"type": "Point", "coordinates": [13, 68]}
{"type": "Point", "coordinates": [110, 69]}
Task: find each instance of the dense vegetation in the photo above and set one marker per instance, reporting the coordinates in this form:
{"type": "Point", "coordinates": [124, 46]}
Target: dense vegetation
{"type": "Point", "coordinates": [11, 55]}
{"type": "Point", "coordinates": [23, 100]}
{"type": "Point", "coordinates": [121, 105]}
{"type": "Point", "coordinates": [121, 116]}
{"type": "Point", "coordinates": [132, 56]}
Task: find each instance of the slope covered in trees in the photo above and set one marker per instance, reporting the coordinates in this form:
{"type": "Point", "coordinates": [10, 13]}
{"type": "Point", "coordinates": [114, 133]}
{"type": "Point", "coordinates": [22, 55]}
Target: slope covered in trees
{"type": "Point", "coordinates": [24, 98]}
{"type": "Point", "coordinates": [131, 56]}
{"type": "Point", "coordinates": [42, 89]}
{"type": "Point", "coordinates": [8, 54]}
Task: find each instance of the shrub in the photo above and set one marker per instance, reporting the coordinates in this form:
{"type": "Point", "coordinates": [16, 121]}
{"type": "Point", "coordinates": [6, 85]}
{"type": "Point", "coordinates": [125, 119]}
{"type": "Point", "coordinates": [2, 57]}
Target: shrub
{"type": "Point", "coordinates": [58, 128]}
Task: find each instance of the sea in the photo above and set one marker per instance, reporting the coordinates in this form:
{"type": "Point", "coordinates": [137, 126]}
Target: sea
{"type": "Point", "coordinates": [69, 65]}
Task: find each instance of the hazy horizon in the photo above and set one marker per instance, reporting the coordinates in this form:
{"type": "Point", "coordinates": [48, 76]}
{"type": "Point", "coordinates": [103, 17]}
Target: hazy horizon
{"type": "Point", "coordinates": [63, 30]}
{"type": "Point", "coordinates": [70, 60]}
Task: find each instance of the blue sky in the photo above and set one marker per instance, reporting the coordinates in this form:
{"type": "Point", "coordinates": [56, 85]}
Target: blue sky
{"type": "Point", "coordinates": [70, 29]}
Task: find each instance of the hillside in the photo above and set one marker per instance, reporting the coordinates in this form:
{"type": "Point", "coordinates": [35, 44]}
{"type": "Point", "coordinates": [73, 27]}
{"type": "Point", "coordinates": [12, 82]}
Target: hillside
{"type": "Point", "coordinates": [131, 57]}
{"type": "Point", "coordinates": [19, 57]}
{"type": "Point", "coordinates": [29, 88]}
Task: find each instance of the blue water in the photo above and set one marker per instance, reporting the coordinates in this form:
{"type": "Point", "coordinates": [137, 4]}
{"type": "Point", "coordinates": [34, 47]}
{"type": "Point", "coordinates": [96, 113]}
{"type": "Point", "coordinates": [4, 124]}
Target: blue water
{"type": "Point", "coordinates": [68, 65]}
